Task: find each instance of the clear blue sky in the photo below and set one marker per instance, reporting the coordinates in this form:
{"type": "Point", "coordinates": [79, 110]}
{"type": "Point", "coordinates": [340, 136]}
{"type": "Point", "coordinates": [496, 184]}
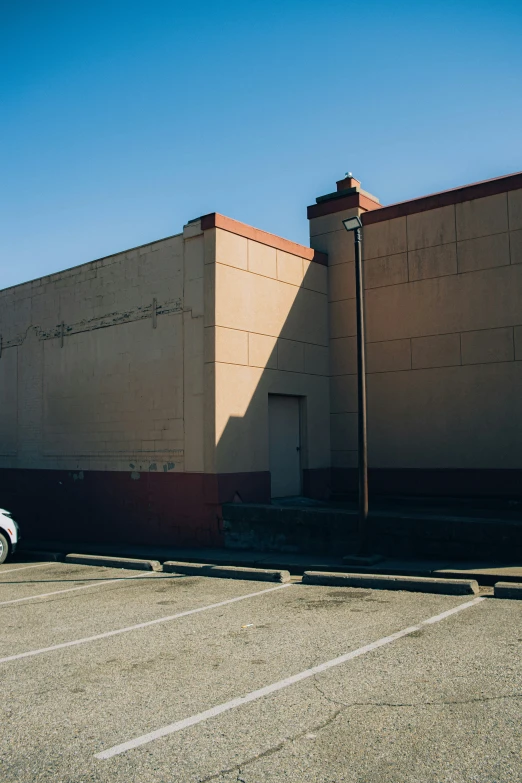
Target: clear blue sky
{"type": "Point", "coordinates": [121, 121]}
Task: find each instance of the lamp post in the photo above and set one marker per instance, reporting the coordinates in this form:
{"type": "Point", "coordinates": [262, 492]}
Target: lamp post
{"type": "Point", "coordinates": [354, 224]}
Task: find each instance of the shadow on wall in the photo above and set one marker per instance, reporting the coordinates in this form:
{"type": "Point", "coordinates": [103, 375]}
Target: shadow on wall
{"type": "Point", "coordinates": [251, 363]}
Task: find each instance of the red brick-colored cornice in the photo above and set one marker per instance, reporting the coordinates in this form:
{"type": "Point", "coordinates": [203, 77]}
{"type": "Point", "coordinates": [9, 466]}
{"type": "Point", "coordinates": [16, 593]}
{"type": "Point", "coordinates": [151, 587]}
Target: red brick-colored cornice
{"type": "Point", "coordinates": [215, 220]}
{"type": "Point", "coordinates": [489, 187]}
{"type": "Point", "coordinates": [351, 201]}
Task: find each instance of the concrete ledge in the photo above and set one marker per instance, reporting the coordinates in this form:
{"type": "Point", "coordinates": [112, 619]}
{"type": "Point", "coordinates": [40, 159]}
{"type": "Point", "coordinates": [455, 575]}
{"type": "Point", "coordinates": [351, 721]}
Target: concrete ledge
{"type": "Point", "coordinates": [114, 562]}
{"type": "Point", "coordinates": [508, 590]}
{"type": "Point", "coordinates": [395, 529]}
{"type": "Point", "coordinates": [381, 582]}
{"type": "Point", "coordinates": [227, 572]}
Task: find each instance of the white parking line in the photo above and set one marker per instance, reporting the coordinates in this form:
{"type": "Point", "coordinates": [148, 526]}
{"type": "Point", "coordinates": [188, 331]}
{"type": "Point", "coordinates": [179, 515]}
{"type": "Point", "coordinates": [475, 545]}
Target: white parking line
{"type": "Point", "coordinates": [147, 624]}
{"type": "Point", "coordinates": [276, 686]}
{"type": "Point", "coordinates": [72, 589]}
{"type": "Point", "coordinates": [23, 568]}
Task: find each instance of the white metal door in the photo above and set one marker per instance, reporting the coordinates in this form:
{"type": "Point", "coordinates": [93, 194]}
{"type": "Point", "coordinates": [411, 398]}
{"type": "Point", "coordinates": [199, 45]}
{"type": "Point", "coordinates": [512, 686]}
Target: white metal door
{"type": "Point", "coordinates": [285, 445]}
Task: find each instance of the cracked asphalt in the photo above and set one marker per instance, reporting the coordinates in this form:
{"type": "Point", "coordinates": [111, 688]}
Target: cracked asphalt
{"type": "Point", "coordinates": [441, 704]}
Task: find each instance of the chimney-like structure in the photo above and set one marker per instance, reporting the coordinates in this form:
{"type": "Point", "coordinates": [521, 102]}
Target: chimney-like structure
{"type": "Point", "coordinates": [327, 214]}
{"type": "Point", "coordinates": [328, 235]}
{"type": "Point", "coordinates": [348, 183]}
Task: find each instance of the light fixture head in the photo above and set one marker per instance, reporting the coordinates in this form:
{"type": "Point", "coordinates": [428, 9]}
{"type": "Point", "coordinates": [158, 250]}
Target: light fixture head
{"type": "Point", "coordinates": [352, 223]}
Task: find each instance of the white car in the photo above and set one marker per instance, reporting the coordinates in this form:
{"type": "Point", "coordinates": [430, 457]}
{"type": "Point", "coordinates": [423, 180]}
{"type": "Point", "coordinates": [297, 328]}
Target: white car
{"type": "Point", "coordinates": [8, 535]}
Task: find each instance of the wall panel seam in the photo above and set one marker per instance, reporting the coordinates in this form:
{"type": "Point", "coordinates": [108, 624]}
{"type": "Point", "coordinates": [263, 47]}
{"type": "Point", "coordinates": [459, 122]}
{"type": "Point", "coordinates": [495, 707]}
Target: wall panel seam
{"type": "Point", "coordinates": [273, 336]}
{"type": "Point", "coordinates": [275, 279]}
{"type": "Point", "coordinates": [273, 369]}
{"type": "Point", "coordinates": [424, 369]}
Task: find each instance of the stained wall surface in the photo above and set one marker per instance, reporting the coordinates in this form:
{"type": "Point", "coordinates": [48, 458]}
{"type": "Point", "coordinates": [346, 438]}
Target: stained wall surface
{"type": "Point", "coordinates": [99, 367]}
{"type": "Point", "coordinates": [444, 334]}
{"type": "Point", "coordinates": [102, 414]}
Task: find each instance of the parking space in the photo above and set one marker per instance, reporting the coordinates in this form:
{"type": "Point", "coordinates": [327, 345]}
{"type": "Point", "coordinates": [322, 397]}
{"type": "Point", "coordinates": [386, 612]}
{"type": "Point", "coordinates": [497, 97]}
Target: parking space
{"type": "Point", "coordinates": [137, 678]}
{"type": "Point", "coordinates": [116, 600]}
{"type": "Point", "coordinates": [52, 580]}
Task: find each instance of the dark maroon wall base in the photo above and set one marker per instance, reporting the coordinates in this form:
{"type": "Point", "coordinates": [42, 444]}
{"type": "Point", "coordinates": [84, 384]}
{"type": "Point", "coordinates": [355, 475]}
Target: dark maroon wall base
{"type": "Point", "coordinates": [317, 483]}
{"type": "Point", "coordinates": [434, 483]}
{"type": "Point", "coordinates": [110, 506]}
{"type": "Point", "coordinates": [171, 509]}
{"type": "Point", "coordinates": [245, 487]}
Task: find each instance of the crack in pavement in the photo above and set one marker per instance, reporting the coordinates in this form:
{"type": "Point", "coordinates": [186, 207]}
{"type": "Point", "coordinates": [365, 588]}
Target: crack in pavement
{"type": "Point", "coordinates": [478, 699]}
{"type": "Point", "coordinates": [268, 752]}
{"type": "Point", "coordinates": [239, 768]}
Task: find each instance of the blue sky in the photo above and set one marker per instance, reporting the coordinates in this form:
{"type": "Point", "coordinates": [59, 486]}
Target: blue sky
{"type": "Point", "coordinates": [121, 121]}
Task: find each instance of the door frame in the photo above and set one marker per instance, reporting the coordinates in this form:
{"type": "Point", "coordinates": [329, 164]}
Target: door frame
{"type": "Point", "coordinates": [303, 431]}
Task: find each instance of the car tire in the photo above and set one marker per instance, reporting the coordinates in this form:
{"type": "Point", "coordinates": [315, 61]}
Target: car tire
{"type": "Point", "coordinates": [5, 547]}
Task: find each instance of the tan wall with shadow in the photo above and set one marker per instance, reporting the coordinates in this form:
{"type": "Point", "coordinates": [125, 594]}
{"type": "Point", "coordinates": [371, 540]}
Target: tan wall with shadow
{"type": "Point", "coordinates": [267, 333]}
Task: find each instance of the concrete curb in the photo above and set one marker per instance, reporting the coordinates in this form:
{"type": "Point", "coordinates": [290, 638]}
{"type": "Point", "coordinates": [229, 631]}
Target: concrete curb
{"type": "Point", "coordinates": [382, 582]}
{"type": "Point", "coordinates": [114, 562]}
{"type": "Point", "coordinates": [508, 590]}
{"type": "Point", "coordinates": [227, 572]}
{"type": "Point", "coordinates": [297, 564]}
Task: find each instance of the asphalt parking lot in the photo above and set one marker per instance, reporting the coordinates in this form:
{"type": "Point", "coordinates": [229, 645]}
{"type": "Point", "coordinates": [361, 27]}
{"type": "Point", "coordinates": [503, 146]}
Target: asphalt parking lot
{"type": "Point", "coordinates": [117, 675]}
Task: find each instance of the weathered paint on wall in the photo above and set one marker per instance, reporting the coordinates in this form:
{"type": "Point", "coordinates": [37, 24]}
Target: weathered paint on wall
{"type": "Point", "coordinates": [102, 389]}
{"type": "Point", "coordinates": [90, 375]}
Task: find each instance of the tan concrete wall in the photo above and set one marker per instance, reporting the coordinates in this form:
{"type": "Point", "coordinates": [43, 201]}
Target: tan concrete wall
{"type": "Point", "coordinates": [444, 331]}
{"type": "Point", "coordinates": [123, 389]}
{"type": "Point", "coordinates": [267, 333]}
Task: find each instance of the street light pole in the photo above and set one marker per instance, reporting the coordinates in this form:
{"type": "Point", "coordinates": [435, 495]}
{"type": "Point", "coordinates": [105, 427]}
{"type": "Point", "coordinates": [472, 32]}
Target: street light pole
{"type": "Point", "coordinates": [354, 224]}
{"type": "Point", "coordinates": [361, 392]}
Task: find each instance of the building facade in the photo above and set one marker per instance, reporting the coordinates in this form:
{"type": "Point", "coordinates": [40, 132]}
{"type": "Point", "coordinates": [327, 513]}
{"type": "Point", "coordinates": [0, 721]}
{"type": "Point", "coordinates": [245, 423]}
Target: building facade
{"type": "Point", "coordinates": [135, 389]}
{"type": "Point", "coordinates": [140, 392]}
{"type": "Point", "coordinates": [443, 280]}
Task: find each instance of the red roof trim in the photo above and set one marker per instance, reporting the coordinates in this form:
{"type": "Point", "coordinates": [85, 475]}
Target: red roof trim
{"type": "Point", "coordinates": [489, 187]}
{"type": "Point", "coordinates": [215, 220]}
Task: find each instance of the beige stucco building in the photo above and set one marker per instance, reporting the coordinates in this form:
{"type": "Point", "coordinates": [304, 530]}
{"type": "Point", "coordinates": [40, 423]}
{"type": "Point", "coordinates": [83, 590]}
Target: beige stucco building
{"type": "Point", "coordinates": [443, 279]}
{"type": "Point", "coordinates": [144, 390]}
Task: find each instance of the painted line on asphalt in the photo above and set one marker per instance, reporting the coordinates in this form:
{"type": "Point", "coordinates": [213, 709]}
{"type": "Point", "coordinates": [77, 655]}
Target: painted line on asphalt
{"type": "Point", "coordinates": [73, 589]}
{"type": "Point", "coordinates": [137, 627]}
{"type": "Point", "coordinates": [23, 568]}
{"type": "Point", "coordinates": [276, 686]}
